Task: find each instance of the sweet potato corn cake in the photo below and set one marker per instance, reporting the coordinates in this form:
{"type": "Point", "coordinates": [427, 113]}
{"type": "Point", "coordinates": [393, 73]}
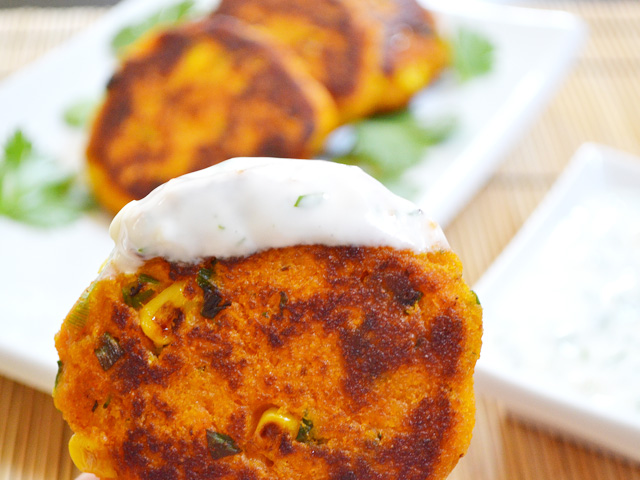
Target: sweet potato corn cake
{"type": "Point", "coordinates": [272, 319]}
{"type": "Point", "coordinates": [301, 362]}
{"type": "Point", "coordinates": [195, 95]}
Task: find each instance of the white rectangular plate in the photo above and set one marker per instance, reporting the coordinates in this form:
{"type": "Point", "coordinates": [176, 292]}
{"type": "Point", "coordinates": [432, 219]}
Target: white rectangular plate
{"type": "Point", "coordinates": [43, 272]}
{"type": "Point", "coordinates": [510, 293]}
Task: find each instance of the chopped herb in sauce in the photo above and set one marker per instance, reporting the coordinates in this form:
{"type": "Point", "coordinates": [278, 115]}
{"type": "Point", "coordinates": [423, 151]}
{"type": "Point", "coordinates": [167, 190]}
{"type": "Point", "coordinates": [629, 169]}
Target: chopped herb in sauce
{"type": "Point", "coordinates": [308, 200]}
{"type": "Point", "coordinates": [108, 352]}
{"type": "Point", "coordinates": [221, 445]}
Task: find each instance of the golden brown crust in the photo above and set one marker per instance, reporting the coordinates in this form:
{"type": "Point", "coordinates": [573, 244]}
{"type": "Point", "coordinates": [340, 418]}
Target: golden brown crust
{"type": "Point", "coordinates": [374, 346]}
{"type": "Point", "coordinates": [336, 41]}
{"type": "Point", "coordinates": [198, 94]}
{"type": "Point", "coordinates": [372, 55]}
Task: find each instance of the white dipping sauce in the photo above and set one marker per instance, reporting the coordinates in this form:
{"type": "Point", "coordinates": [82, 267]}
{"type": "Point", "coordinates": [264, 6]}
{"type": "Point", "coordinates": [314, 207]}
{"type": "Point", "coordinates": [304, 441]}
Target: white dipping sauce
{"type": "Point", "coordinates": [571, 318]}
{"type": "Point", "coordinates": [245, 205]}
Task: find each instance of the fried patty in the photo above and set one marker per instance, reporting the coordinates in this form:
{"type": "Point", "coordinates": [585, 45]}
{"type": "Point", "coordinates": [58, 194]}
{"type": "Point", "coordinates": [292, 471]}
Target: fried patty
{"type": "Point", "coordinates": [194, 95]}
{"type": "Point", "coordinates": [372, 55]}
{"type": "Point", "coordinates": [292, 363]}
{"type": "Point", "coordinates": [335, 39]}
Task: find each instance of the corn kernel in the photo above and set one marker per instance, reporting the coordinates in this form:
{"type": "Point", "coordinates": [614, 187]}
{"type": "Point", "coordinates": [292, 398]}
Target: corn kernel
{"type": "Point", "coordinates": [171, 295]}
{"type": "Point", "coordinates": [89, 457]}
{"type": "Point", "coordinates": [281, 418]}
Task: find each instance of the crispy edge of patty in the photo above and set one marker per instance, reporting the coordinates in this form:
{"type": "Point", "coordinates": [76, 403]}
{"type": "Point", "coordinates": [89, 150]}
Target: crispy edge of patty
{"type": "Point", "coordinates": [164, 114]}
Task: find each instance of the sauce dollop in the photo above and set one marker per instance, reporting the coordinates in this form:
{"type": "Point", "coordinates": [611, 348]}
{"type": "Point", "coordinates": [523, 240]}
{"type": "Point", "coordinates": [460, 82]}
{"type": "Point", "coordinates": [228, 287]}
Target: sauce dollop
{"type": "Point", "coordinates": [245, 205]}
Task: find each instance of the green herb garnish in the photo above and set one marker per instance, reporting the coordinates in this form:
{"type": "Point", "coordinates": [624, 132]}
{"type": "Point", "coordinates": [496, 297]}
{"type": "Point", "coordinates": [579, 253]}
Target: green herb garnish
{"type": "Point", "coordinates": [304, 432]}
{"type": "Point", "coordinates": [473, 54]}
{"type": "Point", "coordinates": [35, 190]}
{"type": "Point", "coordinates": [308, 200]}
{"type": "Point", "coordinates": [169, 15]}
{"type": "Point", "coordinates": [212, 303]}
{"type": "Point", "coordinates": [144, 278]}
{"type": "Point", "coordinates": [221, 445]}
{"type": "Point", "coordinates": [58, 376]}
{"type": "Point", "coordinates": [475, 295]}
{"type": "Point", "coordinates": [284, 299]}
{"type": "Point", "coordinates": [78, 316]}
{"type": "Point", "coordinates": [80, 113]}
{"type": "Point", "coordinates": [108, 351]}
{"type": "Point", "coordinates": [204, 277]}
{"type": "Point", "coordinates": [387, 145]}
{"type": "Point", "coordinates": [135, 294]}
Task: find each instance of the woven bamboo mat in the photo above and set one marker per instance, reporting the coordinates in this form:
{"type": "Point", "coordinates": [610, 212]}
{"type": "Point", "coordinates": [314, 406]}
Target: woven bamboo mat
{"type": "Point", "coordinates": [599, 102]}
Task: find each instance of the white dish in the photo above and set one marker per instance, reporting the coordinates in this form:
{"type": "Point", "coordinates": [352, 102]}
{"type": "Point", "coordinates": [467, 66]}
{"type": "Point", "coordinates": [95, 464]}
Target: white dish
{"type": "Point", "coordinates": [558, 396]}
{"type": "Point", "coordinates": [534, 50]}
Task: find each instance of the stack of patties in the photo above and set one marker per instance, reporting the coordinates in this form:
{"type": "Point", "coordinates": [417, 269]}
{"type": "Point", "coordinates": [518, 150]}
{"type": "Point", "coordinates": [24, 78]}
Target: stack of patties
{"type": "Point", "coordinates": [272, 319]}
{"type": "Point", "coordinates": [256, 78]}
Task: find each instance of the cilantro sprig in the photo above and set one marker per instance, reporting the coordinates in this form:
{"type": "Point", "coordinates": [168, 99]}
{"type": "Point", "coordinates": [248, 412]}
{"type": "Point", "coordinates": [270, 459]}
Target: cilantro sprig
{"type": "Point", "coordinates": [168, 15]}
{"type": "Point", "coordinates": [35, 190]}
{"type": "Point", "coordinates": [385, 146]}
{"type": "Point", "coordinates": [473, 54]}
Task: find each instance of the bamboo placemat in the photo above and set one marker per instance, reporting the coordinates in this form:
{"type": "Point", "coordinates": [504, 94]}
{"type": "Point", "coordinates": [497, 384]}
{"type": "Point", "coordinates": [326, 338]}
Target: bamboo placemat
{"type": "Point", "coordinates": [599, 102]}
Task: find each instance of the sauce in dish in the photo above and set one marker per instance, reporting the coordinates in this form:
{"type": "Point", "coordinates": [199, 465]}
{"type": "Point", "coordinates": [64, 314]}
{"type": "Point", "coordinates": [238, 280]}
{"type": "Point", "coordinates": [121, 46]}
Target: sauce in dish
{"type": "Point", "coordinates": [578, 298]}
{"type": "Point", "coordinates": [246, 205]}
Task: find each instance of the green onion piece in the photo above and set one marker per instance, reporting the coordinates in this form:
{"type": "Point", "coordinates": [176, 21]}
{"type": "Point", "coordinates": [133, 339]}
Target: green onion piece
{"type": "Point", "coordinates": [108, 352]}
{"type": "Point", "coordinates": [144, 278]}
{"type": "Point", "coordinates": [212, 305]}
{"type": "Point", "coordinates": [58, 376]}
{"type": "Point", "coordinates": [78, 316]}
{"type": "Point", "coordinates": [475, 295]}
{"type": "Point", "coordinates": [221, 445]}
{"type": "Point", "coordinates": [304, 432]}
{"type": "Point", "coordinates": [283, 300]}
{"type": "Point", "coordinates": [134, 294]}
{"type": "Point", "coordinates": [308, 200]}
{"type": "Point", "coordinates": [204, 278]}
